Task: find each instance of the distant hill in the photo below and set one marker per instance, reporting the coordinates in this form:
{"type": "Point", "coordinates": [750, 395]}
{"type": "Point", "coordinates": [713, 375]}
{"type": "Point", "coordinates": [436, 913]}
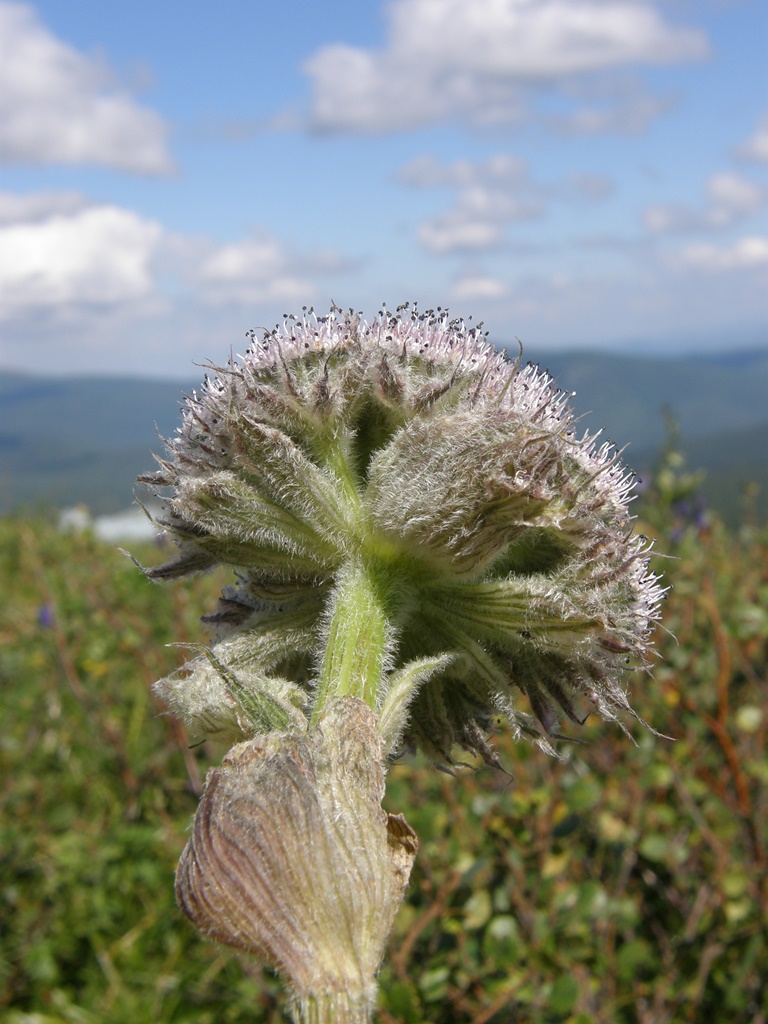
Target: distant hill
{"type": "Point", "coordinates": [628, 395]}
{"type": "Point", "coordinates": [85, 439]}
{"type": "Point", "coordinates": [80, 439]}
{"type": "Point", "coordinates": [733, 463]}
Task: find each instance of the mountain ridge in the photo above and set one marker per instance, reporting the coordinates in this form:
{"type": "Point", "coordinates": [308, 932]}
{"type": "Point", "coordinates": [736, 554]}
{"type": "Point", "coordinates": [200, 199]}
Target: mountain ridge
{"type": "Point", "coordinates": [86, 437]}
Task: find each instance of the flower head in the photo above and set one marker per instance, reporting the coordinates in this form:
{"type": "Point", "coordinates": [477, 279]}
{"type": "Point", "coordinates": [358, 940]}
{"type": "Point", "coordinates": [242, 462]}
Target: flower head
{"type": "Point", "coordinates": [413, 520]}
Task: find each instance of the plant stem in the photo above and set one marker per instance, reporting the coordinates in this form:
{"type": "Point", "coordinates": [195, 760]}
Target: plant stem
{"type": "Point", "coordinates": [331, 449]}
{"type": "Point", "coordinates": [331, 1008]}
{"type": "Point", "coordinates": [358, 637]}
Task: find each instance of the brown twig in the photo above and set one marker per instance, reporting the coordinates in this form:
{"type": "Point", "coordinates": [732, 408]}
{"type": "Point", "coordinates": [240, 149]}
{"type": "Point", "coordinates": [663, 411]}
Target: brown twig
{"type": "Point", "coordinates": [437, 907]}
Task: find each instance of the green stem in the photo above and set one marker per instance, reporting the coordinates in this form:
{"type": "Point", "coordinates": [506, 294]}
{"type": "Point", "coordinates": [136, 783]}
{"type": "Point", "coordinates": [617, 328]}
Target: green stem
{"type": "Point", "coordinates": [331, 1008]}
{"type": "Point", "coordinates": [358, 637]}
{"type": "Point", "coordinates": [331, 449]}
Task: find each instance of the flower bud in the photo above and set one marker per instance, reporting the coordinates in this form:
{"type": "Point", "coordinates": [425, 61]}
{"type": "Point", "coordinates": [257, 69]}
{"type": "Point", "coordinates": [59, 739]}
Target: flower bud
{"type": "Point", "coordinates": [414, 521]}
{"type": "Point", "coordinates": [292, 858]}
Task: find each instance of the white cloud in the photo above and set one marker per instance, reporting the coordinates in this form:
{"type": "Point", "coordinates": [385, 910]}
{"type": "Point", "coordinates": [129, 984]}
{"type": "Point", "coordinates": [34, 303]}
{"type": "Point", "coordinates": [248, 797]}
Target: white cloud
{"type": "Point", "coordinates": [490, 194]}
{"type": "Point", "coordinates": [60, 107]}
{"type": "Point", "coordinates": [661, 219]}
{"type": "Point", "coordinates": [426, 172]}
{"type": "Point", "coordinates": [620, 115]}
{"type": "Point", "coordinates": [95, 285]}
{"type": "Point", "coordinates": [756, 147]}
{"type": "Point", "coordinates": [34, 206]}
{"type": "Point", "coordinates": [730, 198]}
{"type": "Point", "coordinates": [591, 186]}
{"type": "Point", "coordinates": [478, 286]}
{"type": "Point", "coordinates": [458, 231]}
{"type": "Point", "coordinates": [646, 311]}
{"type": "Point", "coordinates": [66, 258]}
{"type": "Point", "coordinates": [735, 195]}
{"type": "Point", "coordinates": [747, 254]}
{"type": "Point", "coordinates": [262, 269]}
{"type": "Point", "coordinates": [455, 60]}
{"type": "Point", "coordinates": [477, 219]}
{"type": "Point", "coordinates": [98, 256]}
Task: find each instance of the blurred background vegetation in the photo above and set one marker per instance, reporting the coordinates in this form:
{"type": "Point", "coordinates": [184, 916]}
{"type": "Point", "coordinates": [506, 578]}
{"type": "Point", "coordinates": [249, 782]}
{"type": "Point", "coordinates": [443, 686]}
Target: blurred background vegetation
{"type": "Point", "coordinates": [626, 883]}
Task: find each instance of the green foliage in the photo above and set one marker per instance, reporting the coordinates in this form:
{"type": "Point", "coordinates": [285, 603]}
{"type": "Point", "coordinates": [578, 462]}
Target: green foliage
{"type": "Point", "coordinates": [624, 884]}
{"type": "Point", "coordinates": [99, 788]}
{"type": "Point", "coordinates": [674, 488]}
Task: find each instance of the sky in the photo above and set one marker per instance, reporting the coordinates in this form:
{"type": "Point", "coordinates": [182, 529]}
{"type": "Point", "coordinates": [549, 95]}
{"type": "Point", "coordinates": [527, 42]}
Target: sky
{"type": "Point", "coordinates": [574, 173]}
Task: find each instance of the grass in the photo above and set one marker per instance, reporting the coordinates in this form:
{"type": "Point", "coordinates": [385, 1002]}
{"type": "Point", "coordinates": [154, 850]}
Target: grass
{"type": "Point", "coordinates": [625, 884]}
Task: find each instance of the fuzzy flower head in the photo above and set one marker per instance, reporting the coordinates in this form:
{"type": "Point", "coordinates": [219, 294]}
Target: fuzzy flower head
{"type": "Point", "coordinates": [413, 520]}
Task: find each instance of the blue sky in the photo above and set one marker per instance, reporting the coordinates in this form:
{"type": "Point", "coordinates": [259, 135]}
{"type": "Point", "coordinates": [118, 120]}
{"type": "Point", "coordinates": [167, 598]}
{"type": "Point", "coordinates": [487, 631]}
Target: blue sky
{"type": "Point", "coordinates": [576, 173]}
